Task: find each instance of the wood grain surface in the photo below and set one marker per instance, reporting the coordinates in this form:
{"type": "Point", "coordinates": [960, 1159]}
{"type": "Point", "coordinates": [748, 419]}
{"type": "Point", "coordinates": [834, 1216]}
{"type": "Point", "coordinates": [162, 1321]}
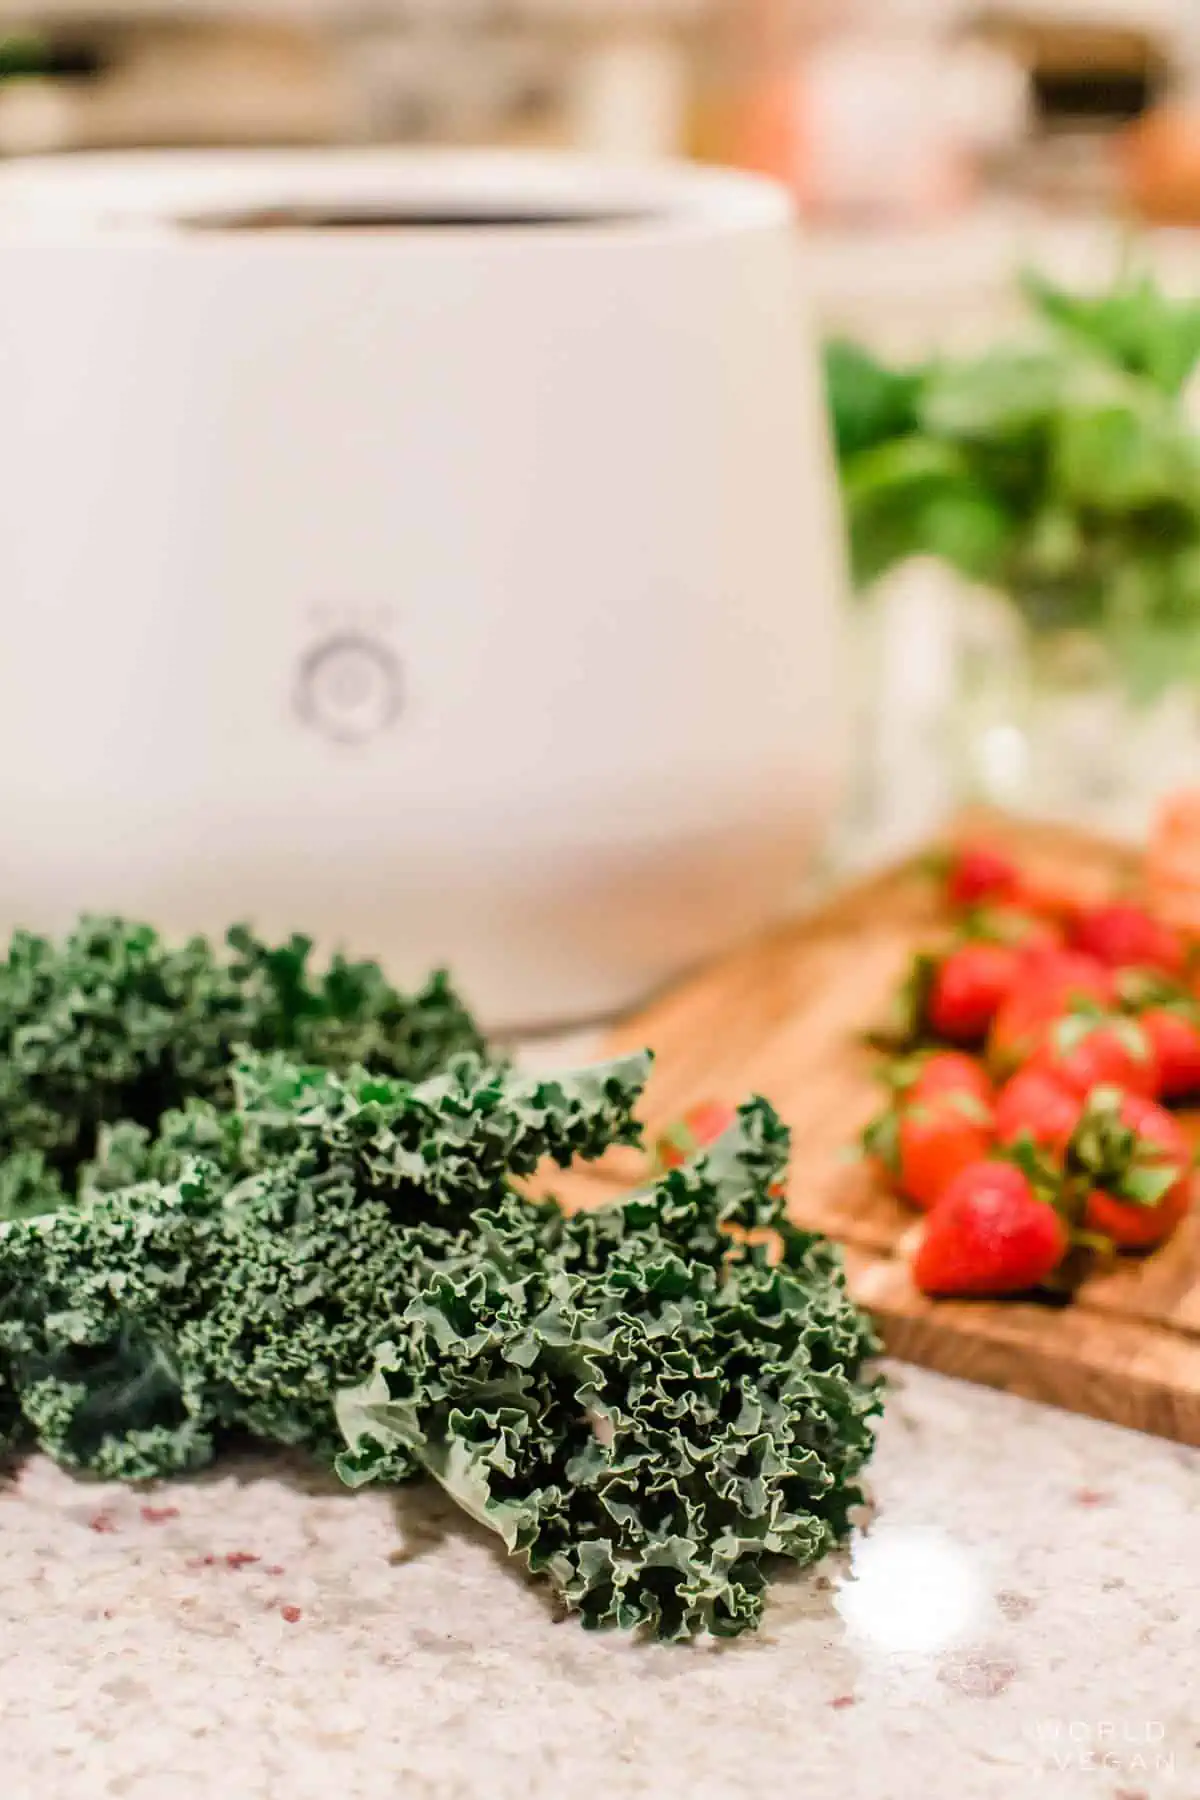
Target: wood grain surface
{"type": "Point", "coordinates": [784, 1017]}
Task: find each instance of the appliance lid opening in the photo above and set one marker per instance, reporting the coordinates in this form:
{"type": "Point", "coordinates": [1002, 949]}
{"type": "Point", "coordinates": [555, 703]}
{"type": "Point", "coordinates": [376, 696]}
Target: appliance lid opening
{"type": "Point", "coordinates": [370, 216]}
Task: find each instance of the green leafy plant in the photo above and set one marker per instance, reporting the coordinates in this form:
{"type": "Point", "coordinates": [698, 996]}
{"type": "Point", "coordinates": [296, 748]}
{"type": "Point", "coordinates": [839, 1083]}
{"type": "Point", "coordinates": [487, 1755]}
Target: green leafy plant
{"type": "Point", "coordinates": [1061, 470]}
{"type": "Point", "coordinates": [265, 1252]}
{"type": "Point", "coordinates": [648, 1402]}
{"type": "Point", "coordinates": [114, 1024]}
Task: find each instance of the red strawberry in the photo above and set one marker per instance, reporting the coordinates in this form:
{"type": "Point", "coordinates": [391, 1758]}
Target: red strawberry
{"type": "Point", "coordinates": [1128, 937]}
{"type": "Point", "coordinates": [967, 989]}
{"type": "Point", "coordinates": [1131, 1225]}
{"type": "Point", "coordinates": [1140, 1163]}
{"type": "Point", "coordinates": [1068, 975]}
{"type": "Point", "coordinates": [989, 1234]}
{"type": "Point", "coordinates": [923, 1147]}
{"type": "Point", "coordinates": [1175, 1037]}
{"type": "Point", "coordinates": [1035, 1106]}
{"type": "Point", "coordinates": [700, 1126]}
{"type": "Point", "coordinates": [1083, 1051]}
{"type": "Point", "coordinates": [941, 1072]}
{"type": "Point", "coordinates": [978, 873]}
{"type": "Point", "coordinates": [1049, 983]}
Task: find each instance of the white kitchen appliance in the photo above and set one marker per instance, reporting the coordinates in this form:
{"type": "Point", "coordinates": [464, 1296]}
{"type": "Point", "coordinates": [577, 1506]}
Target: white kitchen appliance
{"type": "Point", "coordinates": [431, 552]}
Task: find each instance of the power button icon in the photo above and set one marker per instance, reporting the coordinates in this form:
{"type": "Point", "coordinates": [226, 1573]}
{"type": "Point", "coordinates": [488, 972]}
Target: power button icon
{"type": "Point", "coordinates": [349, 688]}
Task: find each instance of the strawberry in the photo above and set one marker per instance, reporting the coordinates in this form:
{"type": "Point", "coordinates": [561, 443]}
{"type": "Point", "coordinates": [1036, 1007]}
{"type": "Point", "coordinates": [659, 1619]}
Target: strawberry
{"type": "Point", "coordinates": [967, 989]}
{"type": "Point", "coordinates": [1035, 1107]}
{"type": "Point", "coordinates": [949, 994]}
{"type": "Point", "coordinates": [989, 1234]}
{"type": "Point", "coordinates": [1137, 1161]}
{"type": "Point", "coordinates": [922, 1147]}
{"type": "Point", "coordinates": [1136, 1225]}
{"type": "Point", "coordinates": [1086, 1050]}
{"type": "Point", "coordinates": [1049, 984]}
{"type": "Point", "coordinates": [1068, 974]}
{"type": "Point", "coordinates": [700, 1126]}
{"type": "Point", "coordinates": [977, 873]}
{"type": "Point", "coordinates": [1128, 937]}
{"type": "Point", "coordinates": [1174, 1034]}
{"type": "Point", "coordinates": [938, 1072]}
{"type": "Point", "coordinates": [936, 1141]}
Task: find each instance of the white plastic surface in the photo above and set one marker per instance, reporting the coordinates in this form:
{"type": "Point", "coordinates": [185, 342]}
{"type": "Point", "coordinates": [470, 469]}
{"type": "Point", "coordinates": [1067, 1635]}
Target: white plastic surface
{"type": "Point", "coordinates": [457, 595]}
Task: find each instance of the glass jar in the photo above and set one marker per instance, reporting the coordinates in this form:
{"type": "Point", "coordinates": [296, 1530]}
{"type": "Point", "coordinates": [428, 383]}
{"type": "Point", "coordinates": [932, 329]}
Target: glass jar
{"type": "Point", "coordinates": [1042, 722]}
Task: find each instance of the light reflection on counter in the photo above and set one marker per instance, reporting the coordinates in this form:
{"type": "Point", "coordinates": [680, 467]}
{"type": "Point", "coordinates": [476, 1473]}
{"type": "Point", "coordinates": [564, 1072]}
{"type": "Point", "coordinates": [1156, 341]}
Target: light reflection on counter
{"type": "Point", "coordinates": [912, 1589]}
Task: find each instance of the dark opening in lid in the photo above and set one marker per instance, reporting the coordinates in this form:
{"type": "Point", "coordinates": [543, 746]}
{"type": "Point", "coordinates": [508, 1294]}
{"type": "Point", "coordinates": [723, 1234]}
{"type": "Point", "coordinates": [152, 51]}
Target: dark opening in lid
{"type": "Point", "coordinates": [305, 216]}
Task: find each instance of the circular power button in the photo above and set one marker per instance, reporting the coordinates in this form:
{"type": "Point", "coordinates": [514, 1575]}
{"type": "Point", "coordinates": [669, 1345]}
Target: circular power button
{"type": "Point", "coordinates": [349, 688]}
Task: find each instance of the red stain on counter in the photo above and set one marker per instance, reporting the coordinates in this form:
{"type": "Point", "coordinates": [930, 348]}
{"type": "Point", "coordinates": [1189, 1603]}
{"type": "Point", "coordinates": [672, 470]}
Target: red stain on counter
{"type": "Point", "coordinates": [290, 1613]}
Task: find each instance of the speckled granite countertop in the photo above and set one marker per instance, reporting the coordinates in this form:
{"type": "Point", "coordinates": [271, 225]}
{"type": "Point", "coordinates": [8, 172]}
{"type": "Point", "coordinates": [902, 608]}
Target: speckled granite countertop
{"type": "Point", "coordinates": [1021, 1617]}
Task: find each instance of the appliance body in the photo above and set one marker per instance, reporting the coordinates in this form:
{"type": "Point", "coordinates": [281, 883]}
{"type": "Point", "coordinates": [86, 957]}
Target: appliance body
{"type": "Point", "coordinates": [456, 593]}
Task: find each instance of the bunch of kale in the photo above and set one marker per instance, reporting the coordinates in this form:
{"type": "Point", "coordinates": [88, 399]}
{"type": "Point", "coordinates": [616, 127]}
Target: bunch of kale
{"type": "Point", "coordinates": [252, 1259]}
{"type": "Point", "coordinates": [647, 1402]}
{"type": "Point", "coordinates": [114, 1024]}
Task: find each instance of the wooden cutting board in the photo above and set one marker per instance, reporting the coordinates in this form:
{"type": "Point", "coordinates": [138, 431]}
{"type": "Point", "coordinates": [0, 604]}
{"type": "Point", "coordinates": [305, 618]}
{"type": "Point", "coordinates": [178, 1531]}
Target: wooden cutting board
{"type": "Point", "coordinates": [784, 1017]}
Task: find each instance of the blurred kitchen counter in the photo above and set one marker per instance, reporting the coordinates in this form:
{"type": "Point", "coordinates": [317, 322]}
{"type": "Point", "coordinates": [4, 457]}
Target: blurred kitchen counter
{"type": "Point", "coordinates": [1023, 1605]}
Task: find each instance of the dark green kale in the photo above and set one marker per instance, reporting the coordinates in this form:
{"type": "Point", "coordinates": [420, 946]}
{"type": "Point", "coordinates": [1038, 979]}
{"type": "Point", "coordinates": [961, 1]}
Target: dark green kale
{"type": "Point", "coordinates": [648, 1402]}
{"type": "Point", "coordinates": [113, 1024]}
{"type": "Point", "coordinates": [271, 1249]}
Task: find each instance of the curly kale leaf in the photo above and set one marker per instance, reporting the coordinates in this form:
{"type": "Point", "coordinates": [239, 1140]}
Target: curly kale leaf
{"type": "Point", "coordinates": [168, 1316]}
{"type": "Point", "coordinates": [114, 1024]}
{"type": "Point", "coordinates": [648, 1403]}
{"type": "Point", "coordinates": [243, 1291]}
{"type": "Point", "coordinates": [645, 1402]}
{"type": "Point", "coordinates": [88, 1299]}
{"type": "Point", "coordinates": [439, 1149]}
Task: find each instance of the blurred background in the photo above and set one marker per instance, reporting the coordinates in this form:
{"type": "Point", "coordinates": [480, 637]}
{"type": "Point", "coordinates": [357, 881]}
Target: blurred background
{"type": "Point", "coordinates": [883, 116]}
{"type": "Point", "coordinates": [935, 149]}
{"type": "Point", "coordinates": [880, 114]}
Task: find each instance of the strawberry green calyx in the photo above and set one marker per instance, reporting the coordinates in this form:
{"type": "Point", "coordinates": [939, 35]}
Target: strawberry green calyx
{"type": "Point", "coordinates": [1067, 1194]}
{"type": "Point", "coordinates": [1086, 1018]}
{"type": "Point", "coordinates": [881, 1139]}
{"type": "Point", "coordinates": [1107, 1152]}
{"type": "Point", "coordinates": [1140, 989]}
{"type": "Point", "coordinates": [906, 1026]}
